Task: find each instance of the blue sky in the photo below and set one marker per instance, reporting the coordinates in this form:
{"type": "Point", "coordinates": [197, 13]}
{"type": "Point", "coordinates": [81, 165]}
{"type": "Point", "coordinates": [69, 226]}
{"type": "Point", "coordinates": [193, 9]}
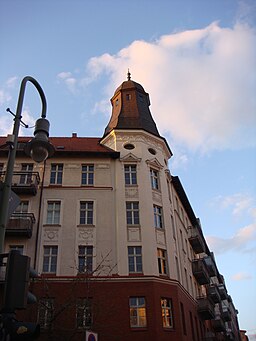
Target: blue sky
{"type": "Point", "coordinates": [197, 61]}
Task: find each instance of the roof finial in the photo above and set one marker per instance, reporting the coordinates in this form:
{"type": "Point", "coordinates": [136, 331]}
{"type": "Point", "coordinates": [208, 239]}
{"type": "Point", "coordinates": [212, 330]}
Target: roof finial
{"type": "Point", "coordinates": [129, 75]}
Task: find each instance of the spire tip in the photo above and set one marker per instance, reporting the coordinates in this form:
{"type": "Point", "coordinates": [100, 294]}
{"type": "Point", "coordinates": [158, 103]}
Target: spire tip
{"type": "Point", "coordinates": [128, 75]}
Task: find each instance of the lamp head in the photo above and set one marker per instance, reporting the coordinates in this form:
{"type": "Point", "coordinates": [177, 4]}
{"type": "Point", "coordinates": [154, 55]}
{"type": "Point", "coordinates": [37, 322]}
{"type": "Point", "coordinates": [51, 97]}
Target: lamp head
{"type": "Point", "coordinates": [39, 148]}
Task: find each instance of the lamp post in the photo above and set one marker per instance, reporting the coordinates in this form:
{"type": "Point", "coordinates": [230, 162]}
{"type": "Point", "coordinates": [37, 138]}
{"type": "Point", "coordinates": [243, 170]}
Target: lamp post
{"type": "Point", "coordinates": [38, 148]}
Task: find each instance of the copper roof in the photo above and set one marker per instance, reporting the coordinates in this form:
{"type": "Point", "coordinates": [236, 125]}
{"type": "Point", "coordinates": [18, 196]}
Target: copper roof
{"type": "Point", "coordinates": [130, 109]}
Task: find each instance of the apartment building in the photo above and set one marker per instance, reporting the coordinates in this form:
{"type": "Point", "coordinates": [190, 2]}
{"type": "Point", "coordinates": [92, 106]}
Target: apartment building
{"type": "Point", "coordinates": [113, 236]}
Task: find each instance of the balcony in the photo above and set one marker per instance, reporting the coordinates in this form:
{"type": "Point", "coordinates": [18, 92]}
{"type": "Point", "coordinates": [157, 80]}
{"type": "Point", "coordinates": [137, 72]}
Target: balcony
{"type": "Point", "coordinates": [218, 325]}
{"type": "Point", "coordinates": [21, 225]}
{"type": "Point", "coordinates": [200, 271]}
{"type": "Point", "coordinates": [196, 240]}
{"type": "Point", "coordinates": [24, 182]}
{"type": "Point", "coordinates": [210, 337]}
{"type": "Point", "coordinates": [230, 335]}
{"type": "Point", "coordinates": [223, 291]}
{"type": "Point", "coordinates": [226, 314]}
{"type": "Point", "coordinates": [213, 293]}
{"type": "Point", "coordinates": [210, 266]}
{"type": "Point", "coordinates": [205, 308]}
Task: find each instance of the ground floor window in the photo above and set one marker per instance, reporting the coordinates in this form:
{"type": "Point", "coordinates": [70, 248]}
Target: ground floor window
{"type": "Point", "coordinates": [137, 312]}
{"type": "Point", "coordinates": [46, 312]}
{"type": "Point", "coordinates": [84, 313]}
{"type": "Point", "coordinates": [167, 313]}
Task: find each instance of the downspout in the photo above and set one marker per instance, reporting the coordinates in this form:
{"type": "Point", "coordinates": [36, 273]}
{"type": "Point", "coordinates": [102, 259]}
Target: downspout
{"type": "Point", "coordinates": [39, 215]}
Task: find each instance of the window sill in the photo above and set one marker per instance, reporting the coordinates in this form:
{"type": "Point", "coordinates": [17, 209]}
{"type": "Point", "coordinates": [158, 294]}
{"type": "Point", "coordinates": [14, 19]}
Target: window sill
{"type": "Point", "coordinates": [85, 225]}
{"type": "Point", "coordinates": [139, 329]}
{"type": "Point", "coordinates": [52, 225]}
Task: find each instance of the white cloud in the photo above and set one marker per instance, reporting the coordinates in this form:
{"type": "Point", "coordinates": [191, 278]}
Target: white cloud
{"type": "Point", "coordinates": [201, 82]}
{"type": "Point", "coordinates": [69, 80]}
{"type": "Point", "coordinates": [11, 82]}
{"type": "Point", "coordinates": [241, 276]}
{"type": "Point", "coordinates": [240, 203]}
{"type": "Point", "coordinates": [241, 241]}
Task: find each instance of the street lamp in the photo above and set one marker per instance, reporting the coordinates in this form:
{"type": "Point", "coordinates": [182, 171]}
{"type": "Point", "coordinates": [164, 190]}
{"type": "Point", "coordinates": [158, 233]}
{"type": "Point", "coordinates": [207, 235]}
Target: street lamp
{"type": "Point", "coordinates": [38, 148]}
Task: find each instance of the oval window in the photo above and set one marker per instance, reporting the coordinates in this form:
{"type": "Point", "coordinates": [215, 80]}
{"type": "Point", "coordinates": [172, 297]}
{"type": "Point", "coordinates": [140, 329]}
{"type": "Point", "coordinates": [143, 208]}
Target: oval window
{"type": "Point", "coordinates": [129, 146]}
{"type": "Point", "coordinates": [152, 151]}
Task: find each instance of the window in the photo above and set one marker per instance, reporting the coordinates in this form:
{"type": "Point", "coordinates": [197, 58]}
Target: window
{"type": "Point", "coordinates": [19, 248]}
{"type": "Point", "coordinates": [137, 312]}
{"type": "Point", "coordinates": [183, 319]}
{"type": "Point", "coordinates": [87, 174]}
{"type": "Point", "coordinates": [167, 314]}
{"type": "Point", "coordinates": [130, 174]}
{"type": "Point", "coordinates": [182, 240]}
{"type": "Point", "coordinates": [86, 212]}
{"type": "Point", "coordinates": [186, 278]}
{"type": "Point", "coordinates": [173, 227]}
{"type": "Point", "coordinates": [152, 151]}
{"type": "Point", "coordinates": [134, 259]}
{"type": "Point", "coordinates": [177, 268]}
{"type": "Point", "coordinates": [27, 169]}
{"type": "Point", "coordinates": [56, 174]}
{"type": "Point", "coordinates": [84, 313]}
{"type": "Point", "coordinates": [50, 259]}
{"type": "Point", "coordinates": [158, 218]}
{"type": "Point", "coordinates": [128, 97]}
{"type": "Point", "coordinates": [162, 261]}
{"type": "Point", "coordinates": [53, 213]}
{"type": "Point", "coordinates": [132, 213]}
{"type": "Point", "coordinates": [129, 146]}
{"type": "Point", "coordinates": [22, 208]}
{"type": "Point", "coordinates": [45, 312]}
{"type": "Point", "coordinates": [154, 175]}
{"type": "Point", "coordinates": [85, 256]}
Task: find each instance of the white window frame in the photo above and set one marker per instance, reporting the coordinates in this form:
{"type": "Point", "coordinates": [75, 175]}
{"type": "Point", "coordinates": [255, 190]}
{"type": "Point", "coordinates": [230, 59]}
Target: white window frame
{"type": "Point", "coordinates": [167, 312]}
{"type": "Point", "coordinates": [45, 312]}
{"type": "Point", "coordinates": [84, 313]}
{"type": "Point", "coordinates": [135, 259]}
{"type": "Point", "coordinates": [50, 259]}
{"type": "Point", "coordinates": [88, 212]}
{"type": "Point", "coordinates": [130, 175]}
{"type": "Point", "coordinates": [85, 254]}
{"type": "Point", "coordinates": [87, 176]}
{"type": "Point", "coordinates": [162, 261]}
{"type": "Point", "coordinates": [138, 314]}
{"type": "Point", "coordinates": [56, 175]}
{"type": "Point", "coordinates": [158, 217]}
{"type": "Point", "coordinates": [132, 213]}
{"type": "Point", "coordinates": [154, 178]}
{"type": "Point", "coordinates": [53, 212]}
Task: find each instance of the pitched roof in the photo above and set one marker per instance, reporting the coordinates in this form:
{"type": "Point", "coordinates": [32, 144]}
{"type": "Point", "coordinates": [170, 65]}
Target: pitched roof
{"type": "Point", "coordinates": [70, 145]}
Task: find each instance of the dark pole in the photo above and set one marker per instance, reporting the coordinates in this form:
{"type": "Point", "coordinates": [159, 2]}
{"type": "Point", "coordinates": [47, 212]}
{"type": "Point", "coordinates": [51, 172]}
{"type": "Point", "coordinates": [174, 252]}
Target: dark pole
{"type": "Point", "coordinates": [6, 191]}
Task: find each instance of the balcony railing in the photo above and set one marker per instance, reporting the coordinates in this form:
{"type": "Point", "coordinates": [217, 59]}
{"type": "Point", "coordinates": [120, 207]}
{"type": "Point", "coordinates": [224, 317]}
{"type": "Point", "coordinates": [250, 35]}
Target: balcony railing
{"type": "Point", "coordinates": [196, 240]}
{"type": "Point", "coordinates": [230, 335]}
{"type": "Point", "coordinates": [24, 182]}
{"type": "Point", "coordinates": [200, 271]}
{"type": "Point", "coordinates": [223, 291]}
{"type": "Point", "coordinates": [226, 314]}
{"type": "Point", "coordinates": [20, 224]}
{"type": "Point", "coordinates": [218, 324]}
{"type": "Point", "coordinates": [205, 308]}
{"type": "Point", "coordinates": [209, 336]}
{"type": "Point", "coordinates": [210, 266]}
{"type": "Point", "coordinates": [213, 293]}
